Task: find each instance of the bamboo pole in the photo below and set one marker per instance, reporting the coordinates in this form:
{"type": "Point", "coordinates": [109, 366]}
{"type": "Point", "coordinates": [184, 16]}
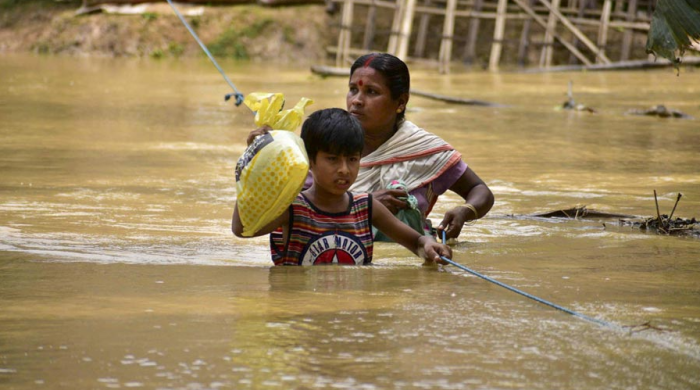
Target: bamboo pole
{"type": "Point", "coordinates": [470, 46]}
{"type": "Point", "coordinates": [342, 55]}
{"type": "Point", "coordinates": [448, 29]}
{"type": "Point", "coordinates": [621, 65]}
{"type": "Point", "coordinates": [524, 44]}
{"type": "Point", "coordinates": [628, 36]}
{"type": "Point", "coordinates": [541, 22]}
{"type": "Point", "coordinates": [370, 27]}
{"type": "Point", "coordinates": [498, 31]}
{"type": "Point", "coordinates": [565, 21]}
{"type": "Point", "coordinates": [603, 28]}
{"type": "Point", "coordinates": [547, 49]}
{"type": "Point", "coordinates": [581, 10]}
{"type": "Point", "coordinates": [405, 32]}
{"type": "Point", "coordinates": [419, 49]}
{"type": "Point", "coordinates": [395, 25]}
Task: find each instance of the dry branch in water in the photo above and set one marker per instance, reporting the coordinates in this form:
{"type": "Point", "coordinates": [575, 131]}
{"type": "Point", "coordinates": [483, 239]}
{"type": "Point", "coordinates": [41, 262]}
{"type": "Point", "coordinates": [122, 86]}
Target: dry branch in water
{"type": "Point", "coordinates": [666, 224]}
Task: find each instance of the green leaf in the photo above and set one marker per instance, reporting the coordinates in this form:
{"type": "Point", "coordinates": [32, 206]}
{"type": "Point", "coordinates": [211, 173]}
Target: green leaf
{"type": "Point", "coordinates": [674, 25]}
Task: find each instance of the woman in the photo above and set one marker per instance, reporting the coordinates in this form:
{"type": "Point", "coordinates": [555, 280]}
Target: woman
{"type": "Point", "coordinates": [397, 151]}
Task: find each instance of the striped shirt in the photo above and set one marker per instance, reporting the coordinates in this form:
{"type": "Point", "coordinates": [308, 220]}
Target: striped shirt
{"type": "Point", "coordinates": [317, 237]}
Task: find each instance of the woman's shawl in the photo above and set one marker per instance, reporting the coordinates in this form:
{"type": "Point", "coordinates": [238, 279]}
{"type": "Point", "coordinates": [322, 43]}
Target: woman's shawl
{"type": "Point", "coordinates": [412, 155]}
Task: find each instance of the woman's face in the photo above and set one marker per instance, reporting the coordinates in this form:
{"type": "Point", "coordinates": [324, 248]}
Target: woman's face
{"type": "Point", "coordinates": [369, 100]}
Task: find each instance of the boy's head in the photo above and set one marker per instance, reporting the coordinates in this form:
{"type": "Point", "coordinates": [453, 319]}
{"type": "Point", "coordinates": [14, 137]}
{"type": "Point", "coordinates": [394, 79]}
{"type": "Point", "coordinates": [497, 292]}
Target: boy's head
{"type": "Point", "coordinates": [334, 131]}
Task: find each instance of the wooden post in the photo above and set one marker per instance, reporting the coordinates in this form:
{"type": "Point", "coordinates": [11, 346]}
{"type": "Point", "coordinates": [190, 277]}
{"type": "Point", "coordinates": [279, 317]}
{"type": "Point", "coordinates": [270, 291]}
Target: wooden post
{"type": "Point", "coordinates": [498, 31]}
{"type": "Point", "coordinates": [342, 55]}
{"type": "Point", "coordinates": [370, 26]}
{"type": "Point", "coordinates": [525, 40]}
{"type": "Point", "coordinates": [422, 33]}
{"type": "Point", "coordinates": [470, 46]}
{"type": "Point", "coordinates": [566, 22]}
{"type": "Point", "coordinates": [547, 49]}
{"type": "Point", "coordinates": [603, 28]}
{"type": "Point", "coordinates": [405, 32]}
{"type": "Point", "coordinates": [448, 29]}
{"type": "Point", "coordinates": [395, 26]}
{"type": "Point", "coordinates": [629, 33]}
{"type": "Point", "coordinates": [541, 22]}
{"type": "Point", "coordinates": [581, 10]}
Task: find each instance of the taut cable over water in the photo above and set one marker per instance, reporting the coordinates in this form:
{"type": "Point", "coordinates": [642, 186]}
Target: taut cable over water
{"type": "Point", "coordinates": [523, 293]}
{"type": "Point", "coordinates": [237, 93]}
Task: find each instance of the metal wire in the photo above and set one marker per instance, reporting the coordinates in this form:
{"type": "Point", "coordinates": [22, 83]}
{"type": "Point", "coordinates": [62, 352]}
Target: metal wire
{"type": "Point", "coordinates": [237, 93]}
{"type": "Point", "coordinates": [523, 293]}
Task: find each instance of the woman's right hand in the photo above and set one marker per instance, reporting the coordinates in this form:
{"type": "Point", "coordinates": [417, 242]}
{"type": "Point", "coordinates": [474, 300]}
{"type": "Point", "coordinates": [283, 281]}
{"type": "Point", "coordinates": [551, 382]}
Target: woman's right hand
{"type": "Point", "coordinates": [390, 199]}
{"type": "Point", "coordinates": [259, 131]}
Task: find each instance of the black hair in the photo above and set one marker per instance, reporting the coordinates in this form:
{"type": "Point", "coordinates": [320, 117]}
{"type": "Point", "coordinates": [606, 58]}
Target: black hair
{"type": "Point", "coordinates": [394, 71]}
{"type": "Point", "coordinates": [332, 130]}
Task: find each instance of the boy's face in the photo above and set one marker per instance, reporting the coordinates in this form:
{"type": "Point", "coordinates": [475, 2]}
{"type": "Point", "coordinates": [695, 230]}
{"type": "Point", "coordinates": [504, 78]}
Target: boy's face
{"type": "Point", "coordinates": [335, 173]}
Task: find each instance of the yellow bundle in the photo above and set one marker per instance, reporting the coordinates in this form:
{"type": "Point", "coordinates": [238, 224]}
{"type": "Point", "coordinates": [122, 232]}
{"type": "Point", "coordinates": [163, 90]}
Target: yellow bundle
{"type": "Point", "coordinates": [272, 170]}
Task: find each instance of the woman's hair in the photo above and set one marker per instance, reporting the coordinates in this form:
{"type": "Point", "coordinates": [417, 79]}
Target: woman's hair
{"type": "Point", "coordinates": [332, 130]}
{"type": "Point", "coordinates": [394, 71]}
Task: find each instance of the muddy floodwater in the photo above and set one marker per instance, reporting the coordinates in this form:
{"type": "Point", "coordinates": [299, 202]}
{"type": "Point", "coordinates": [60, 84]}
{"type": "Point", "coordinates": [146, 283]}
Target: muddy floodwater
{"type": "Point", "coordinates": [118, 268]}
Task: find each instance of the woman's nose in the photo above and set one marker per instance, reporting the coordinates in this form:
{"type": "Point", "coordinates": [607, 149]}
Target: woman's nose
{"type": "Point", "coordinates": [356, 100]}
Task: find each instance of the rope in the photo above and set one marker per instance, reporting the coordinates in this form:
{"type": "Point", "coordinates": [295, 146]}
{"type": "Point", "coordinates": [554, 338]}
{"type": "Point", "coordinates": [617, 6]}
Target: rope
{"type": "Point", "coordinates": [237, 94]}
{"type": "Point", "coordinates": [523, 293]}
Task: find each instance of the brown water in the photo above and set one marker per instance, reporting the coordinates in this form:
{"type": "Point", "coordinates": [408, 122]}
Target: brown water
{"type": "Point", "coordinates": [118, 269]}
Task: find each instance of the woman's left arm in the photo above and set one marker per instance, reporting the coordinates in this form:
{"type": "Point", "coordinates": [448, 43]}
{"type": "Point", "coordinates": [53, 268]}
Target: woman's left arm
{"type": "Point", "coordinates": [476, 194]}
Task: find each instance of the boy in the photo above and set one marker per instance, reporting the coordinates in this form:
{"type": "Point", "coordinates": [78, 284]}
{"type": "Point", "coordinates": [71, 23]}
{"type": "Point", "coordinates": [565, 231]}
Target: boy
{"type": "Point", "coordinates": [326, 224]}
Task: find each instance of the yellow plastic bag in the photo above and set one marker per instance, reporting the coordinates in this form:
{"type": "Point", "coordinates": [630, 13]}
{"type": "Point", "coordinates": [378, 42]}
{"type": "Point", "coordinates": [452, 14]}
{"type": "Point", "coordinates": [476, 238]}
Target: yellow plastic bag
{"type": "Point", "coordinates": [272, 170]}
{"type": "Point", "coordinates": [268, 110]}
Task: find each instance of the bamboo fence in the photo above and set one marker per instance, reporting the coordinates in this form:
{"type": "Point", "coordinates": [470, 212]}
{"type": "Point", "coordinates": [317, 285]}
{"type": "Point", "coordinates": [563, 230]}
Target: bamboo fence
{"type": "Point", "coordinates": [527, 33]}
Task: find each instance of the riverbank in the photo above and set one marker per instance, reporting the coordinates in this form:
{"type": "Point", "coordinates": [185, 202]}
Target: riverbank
{"type": "Point", "coordinates": [244, 32]}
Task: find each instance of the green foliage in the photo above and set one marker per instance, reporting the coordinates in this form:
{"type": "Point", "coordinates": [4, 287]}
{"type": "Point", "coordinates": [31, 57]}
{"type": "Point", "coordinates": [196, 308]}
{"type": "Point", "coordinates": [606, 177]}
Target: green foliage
{"type": "Point", "coordinates": [175, 49]}
{"type": "Point", "coordinates": [149, 16]}
{"type": "Point", "coordinates": [231, 42]}
{"type": "Point", "coordinates": [288, 33]}
{"type": "Point", "coordinates": [673, 25]}
{"type": "Point", "coordinates": [157, 54]}
{"type": "Point", "coordinates": [42, 47]}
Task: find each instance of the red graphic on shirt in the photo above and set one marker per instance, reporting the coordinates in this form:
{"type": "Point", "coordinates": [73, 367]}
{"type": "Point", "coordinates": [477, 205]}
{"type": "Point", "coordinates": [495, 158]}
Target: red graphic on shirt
{"type": "Point", "coordinates": [341, 248]}
{"type": "Point", "coordinates": [334, 256]}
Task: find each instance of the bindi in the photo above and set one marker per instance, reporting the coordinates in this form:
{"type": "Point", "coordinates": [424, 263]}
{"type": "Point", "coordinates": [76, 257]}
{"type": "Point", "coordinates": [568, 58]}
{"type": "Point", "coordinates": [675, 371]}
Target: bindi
{"type": "Point", "coordinates": [360, 83]}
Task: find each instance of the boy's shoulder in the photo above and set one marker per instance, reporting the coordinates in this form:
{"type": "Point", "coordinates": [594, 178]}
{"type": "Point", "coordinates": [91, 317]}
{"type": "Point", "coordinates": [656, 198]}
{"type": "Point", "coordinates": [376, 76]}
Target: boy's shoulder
{"type": "Point", "coordinates": [361, 195]}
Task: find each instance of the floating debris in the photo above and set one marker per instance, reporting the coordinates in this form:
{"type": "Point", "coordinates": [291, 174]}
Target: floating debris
{"type": "Point", "coordinates": [660, 111]}
{"type": "Point", "coordinates": [665, 224]}
{"type": "Point", "coordinates": [645, 326]}
{"type": "Point", "coordinates": [580, 212]}
{"type": "Point", "coordinates": [571, 104]}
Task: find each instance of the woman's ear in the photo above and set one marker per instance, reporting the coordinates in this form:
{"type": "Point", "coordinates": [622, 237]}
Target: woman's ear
{"type": "Point", "coordinates": [403, 101]}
